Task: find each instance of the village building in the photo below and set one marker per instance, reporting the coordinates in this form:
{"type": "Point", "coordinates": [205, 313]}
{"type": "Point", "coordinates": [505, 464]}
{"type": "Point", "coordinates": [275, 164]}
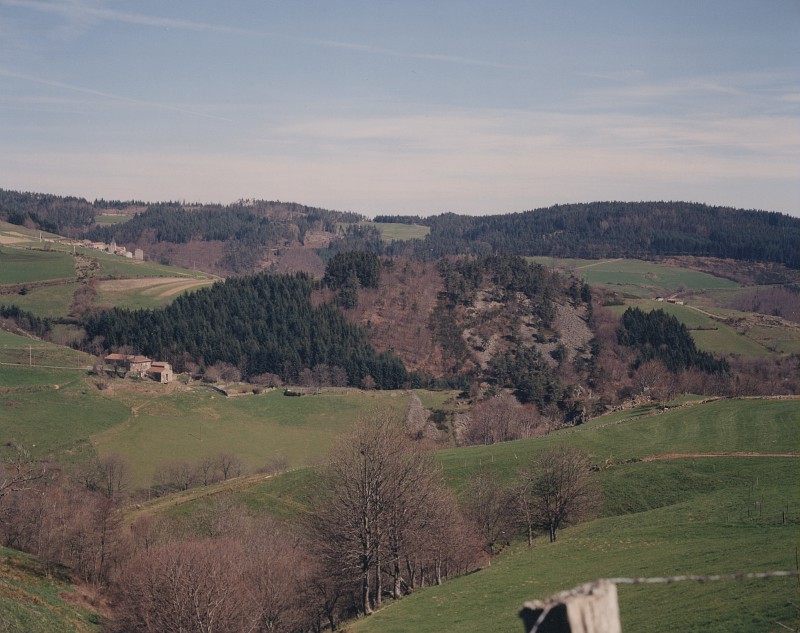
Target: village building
{"type": "Point", "coordinates": [138, 254]}
{"type": "Point", "coordinates": [162, 372]}
{"type": "Point", "coordinates": [141, 366]}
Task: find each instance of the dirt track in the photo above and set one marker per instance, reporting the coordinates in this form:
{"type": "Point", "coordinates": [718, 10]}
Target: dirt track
{"type": "Point", "coordinates": [653, 458]}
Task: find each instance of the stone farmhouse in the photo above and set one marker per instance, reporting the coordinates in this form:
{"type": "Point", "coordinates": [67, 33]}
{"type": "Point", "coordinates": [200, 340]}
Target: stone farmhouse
{"type": "Point", "coordinates": [141, 366]}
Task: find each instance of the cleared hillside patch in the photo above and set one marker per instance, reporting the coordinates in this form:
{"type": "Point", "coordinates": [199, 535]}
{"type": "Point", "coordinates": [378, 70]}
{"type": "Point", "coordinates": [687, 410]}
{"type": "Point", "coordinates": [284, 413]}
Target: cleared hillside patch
{"type": "Point", "coordinates": [391, 231]}
{"type": "Point", "coordinates": [642, 278]}
{"type": "Point", "coordinates": [19, 265]}
{"type": "Point", "coordinates": [149, 292]}
{"type": "Point", "coordinates": [44, 301]}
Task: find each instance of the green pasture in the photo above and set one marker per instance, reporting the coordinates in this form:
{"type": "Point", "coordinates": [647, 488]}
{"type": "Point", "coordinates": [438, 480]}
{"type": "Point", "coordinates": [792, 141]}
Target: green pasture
{"type": "Point", "coordinates": [33, 354]}
{"type": "Point", "coordinates": [106, 219]}
{"type": "Point", "coordinates": [655, 278]}
{"type": "Point", "coordinates": [19, 265]}
{"type": "Point", "coordinates": [149, 296]}
{"type": "Point", "coordinates": [56, 420]}
{"type": "Point", "coordinates": [639, 278]}
{"type": "Point", "coordinates": [35, 599]}
{"type": "Point", "coordinates": [17, 231]}
{"type": "Point", "coordinates": [391, 231]}
{"type": "Point", "coordinates": [782, 340]}
{"type": "Point", "coordinates": [614, 441]}
{"type": "Point", "coordinates": [703, 530]}
{"type": "Point", "coordinates": [44, 301]}
{"type": "Point", "coordinates": [259, 428]}
{"type": "Point", "coordinates": [697, 515]}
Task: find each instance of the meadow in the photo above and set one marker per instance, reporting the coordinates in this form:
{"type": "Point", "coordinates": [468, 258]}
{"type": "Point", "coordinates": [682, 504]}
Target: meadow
{"type": "Point", "coordinates": [70, 416]}
{"type": "Point", "coordinates": [639, 278]}
{"type": "Point", "coordinates": [706, 532]}
{"type": "Point", "coordinates": [18, 266]}
{"type": "Point", "coordinates": [725, 514]}
{"type": "Point", "coordinates": [391, 231]}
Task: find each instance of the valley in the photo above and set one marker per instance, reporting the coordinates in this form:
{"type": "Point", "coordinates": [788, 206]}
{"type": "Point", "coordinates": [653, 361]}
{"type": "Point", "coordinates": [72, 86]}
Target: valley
{"type": "Point", "coordinates": [494, 361]}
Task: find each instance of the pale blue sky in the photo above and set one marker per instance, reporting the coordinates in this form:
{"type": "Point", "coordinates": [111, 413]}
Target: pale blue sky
{"type": "Point", "coordinates": [404, 107]}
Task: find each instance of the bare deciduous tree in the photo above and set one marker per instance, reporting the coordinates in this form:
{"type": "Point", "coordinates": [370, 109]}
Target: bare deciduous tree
{"type": "Point", "coordinates": [561, 490]}
{"type": "Point", "coordinates": [489, 509]}
{"type": "Point", "coordinates": [377, 506]}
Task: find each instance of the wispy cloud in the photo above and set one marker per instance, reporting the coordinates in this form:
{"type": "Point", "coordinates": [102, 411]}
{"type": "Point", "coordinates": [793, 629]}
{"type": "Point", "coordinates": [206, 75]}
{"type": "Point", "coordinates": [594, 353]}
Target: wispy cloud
{"type": "Point", "coordinates": [82, 13]}
{"type": "Point", "coordinates": [107, 95]}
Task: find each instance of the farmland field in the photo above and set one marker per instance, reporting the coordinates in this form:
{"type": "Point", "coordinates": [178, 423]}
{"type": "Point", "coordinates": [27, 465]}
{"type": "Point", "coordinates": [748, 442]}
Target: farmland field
{"type": "Point", "coordinates": [685, 516]}
{"type": "Point", "coordinates": [640, 278]}
{"type": "Point", "coordinates": [195, 424]}
{"type": "Point", "coordinates": [707, 531]}
{"type": "Point", "coordinates": [696, 515]}
{"type": "Point", "coordinates": [709, 334]}
{"type": "Point", "coordinates": [21, 266]}
{"type": "Point", "coordinates": [44, 301]}
{"type": "Point", "coordinates": [150, 292]}
{"type": "Point", "coordinates": [391, 231]}
{"type": "Point", "coordinates": [107, 219]}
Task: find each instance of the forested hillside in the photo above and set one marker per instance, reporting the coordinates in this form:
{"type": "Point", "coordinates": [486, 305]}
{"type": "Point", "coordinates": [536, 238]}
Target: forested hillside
{"type": "Point", "coordinates": [262, 324]}
{"type": "Point", "coordinates": [247, 236]}
{"type": "Point", "coordinates": [616, 229]}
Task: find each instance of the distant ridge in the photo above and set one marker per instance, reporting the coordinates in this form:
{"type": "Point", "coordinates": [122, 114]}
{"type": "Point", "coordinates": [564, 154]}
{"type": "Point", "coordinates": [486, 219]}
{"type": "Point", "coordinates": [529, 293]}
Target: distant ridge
{"type": "Point", "coordinates": [617, 229]}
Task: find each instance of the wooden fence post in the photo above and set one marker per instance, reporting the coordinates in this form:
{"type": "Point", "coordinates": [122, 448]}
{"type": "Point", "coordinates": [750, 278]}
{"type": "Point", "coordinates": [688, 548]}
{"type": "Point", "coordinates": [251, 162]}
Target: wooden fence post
{"type": "Point", "coordinates": [590, 608]}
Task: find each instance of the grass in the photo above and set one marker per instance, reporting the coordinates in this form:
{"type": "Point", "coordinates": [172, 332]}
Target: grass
{"type": "Point", "coordinates": [194, 424]}
{"type": "Point", "coordinates": [683, 516]}
{"type": "Point", "coordinates": [709, 334]}
{"type": "Point", "coordinates": [123, 267]}
{"type": "Point", "coordinates": [156, 293]}
{"type": "Point", "coordinates": [57, 420]}
{"type": "Point", "coordinates": [23, 266]}
{"type": "Point", "coordinates": [656, 278]}
{"type": "Point", "coordinates": [698, 534]}
{"type": "Point", "coordinates": [45, 301]}
{"type": "Point", "coordinates": [36, 600]}
{"type": "Point", "coordinates": [24, 351]}
{"type": "Point", "coordinates": [391, 231]}
{"type": "Point", "coordinates": [614, 441]}
{"type": "Point", "coordinates": [106, 219]}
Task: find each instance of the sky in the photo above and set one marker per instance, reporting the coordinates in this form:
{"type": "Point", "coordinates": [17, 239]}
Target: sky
{"type": "Point", "coordinates": [410, 107]}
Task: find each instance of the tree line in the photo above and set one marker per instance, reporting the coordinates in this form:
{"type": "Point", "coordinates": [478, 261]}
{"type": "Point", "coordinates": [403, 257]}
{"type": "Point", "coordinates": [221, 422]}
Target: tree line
{"type": "Point", "coordinates": [260, 324]}
{"type": "Point", "coordinates": [658, 335]}
{"type": "Point", "coordinates": [615, 229]}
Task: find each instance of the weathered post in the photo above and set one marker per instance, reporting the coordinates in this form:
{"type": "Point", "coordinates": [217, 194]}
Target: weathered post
{"type": "Point", "coordinates": [590, 608]}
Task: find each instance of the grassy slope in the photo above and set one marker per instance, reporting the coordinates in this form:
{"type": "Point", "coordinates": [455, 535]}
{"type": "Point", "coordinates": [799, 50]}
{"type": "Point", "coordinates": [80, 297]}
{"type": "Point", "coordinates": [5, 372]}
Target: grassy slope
{"type": "Point", "coordinates": [640, 278]}
{"type": "Point", "coordinates": [34, 601]}
{"type": "Point", "coordinates": [698, 535]}
{"type": "Point", "coordinates": [21, 266]}
{"type": "Point", "coordinates": [700, 515]}
{"type": "Point", "coordinates": [391, 231]}
{"type": "Point", "coordinates": [196, 424]}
